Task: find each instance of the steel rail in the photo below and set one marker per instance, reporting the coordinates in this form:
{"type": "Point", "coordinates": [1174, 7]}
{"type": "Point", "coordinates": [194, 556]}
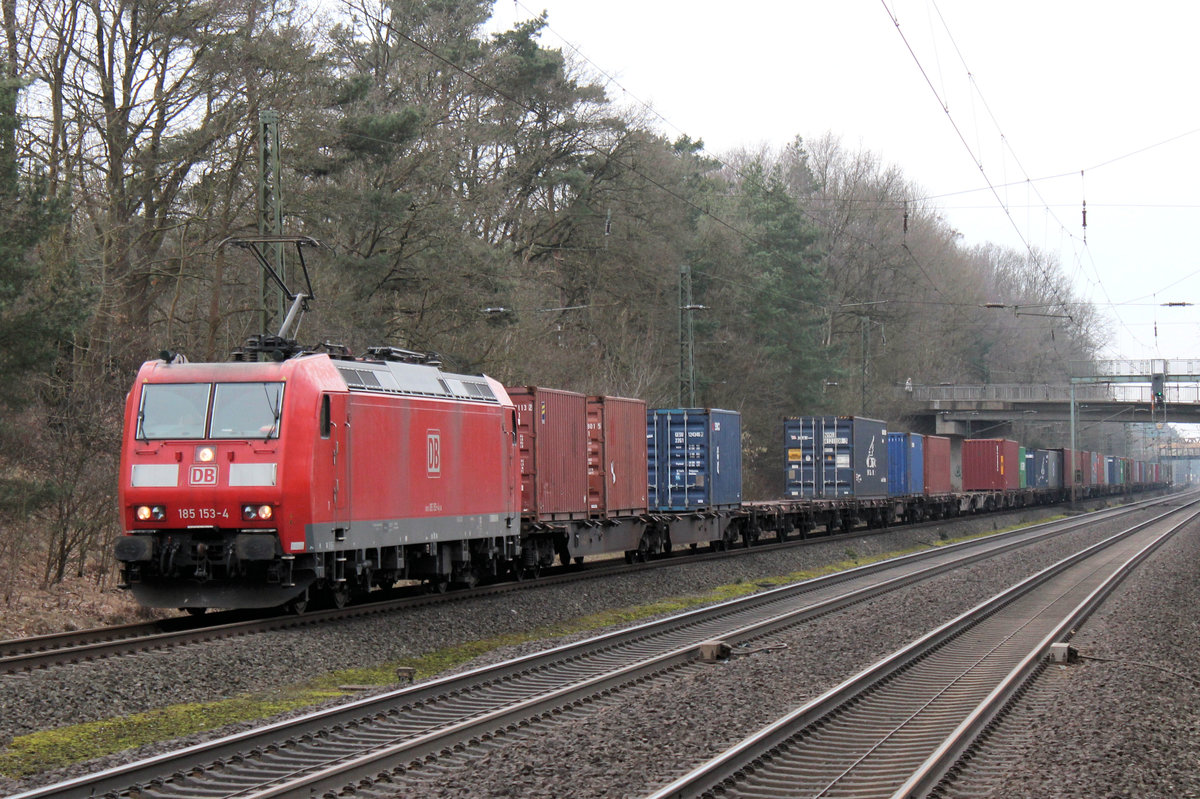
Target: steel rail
{"type": "Point", "coordinates": [432, 705]}
{"type": "Point", "coordinates": [746, 768]}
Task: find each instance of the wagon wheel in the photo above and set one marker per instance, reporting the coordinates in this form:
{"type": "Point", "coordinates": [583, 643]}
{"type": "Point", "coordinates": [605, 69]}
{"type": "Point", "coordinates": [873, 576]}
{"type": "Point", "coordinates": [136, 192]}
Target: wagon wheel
{"type": "Point", "coordinates": [194, 611]}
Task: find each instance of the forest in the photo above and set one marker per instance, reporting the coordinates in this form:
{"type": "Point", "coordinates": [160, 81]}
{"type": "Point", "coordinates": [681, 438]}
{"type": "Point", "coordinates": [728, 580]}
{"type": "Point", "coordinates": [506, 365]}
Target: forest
{"type": "Point", "coordinates": [476, 195]}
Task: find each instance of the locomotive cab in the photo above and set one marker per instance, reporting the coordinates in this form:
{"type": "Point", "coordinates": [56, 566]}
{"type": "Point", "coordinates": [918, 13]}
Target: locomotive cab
{"type": "Point", "coordinates": [201, 487]}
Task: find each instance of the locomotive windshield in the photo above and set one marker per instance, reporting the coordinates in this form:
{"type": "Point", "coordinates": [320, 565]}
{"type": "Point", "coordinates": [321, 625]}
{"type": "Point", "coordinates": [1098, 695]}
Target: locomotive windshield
{"type": "Point", "coordinates": [173, 410]}
{"type": "Point", "coordinates": [247, 410]}
{"type": "Point", "coordinates": [182, 410]}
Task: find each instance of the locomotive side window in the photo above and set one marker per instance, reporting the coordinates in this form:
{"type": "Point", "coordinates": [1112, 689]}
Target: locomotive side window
{"type": "Point", "coordinates": [173, 410]}
{"type": "Point", "coordinates": [325, 420]}
{"type": "Point", "coordinates": [247, 410]}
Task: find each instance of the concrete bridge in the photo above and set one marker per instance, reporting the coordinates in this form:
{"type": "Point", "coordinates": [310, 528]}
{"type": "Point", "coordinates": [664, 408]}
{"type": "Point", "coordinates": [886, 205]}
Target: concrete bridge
{"type": "Point", "coordinates": [964, 409]}
{"type": "Point", "coordinates": [1105, 391]}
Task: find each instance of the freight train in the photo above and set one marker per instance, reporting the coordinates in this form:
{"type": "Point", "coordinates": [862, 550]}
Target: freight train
{"type": "Point", "coordinates": [319, 476]}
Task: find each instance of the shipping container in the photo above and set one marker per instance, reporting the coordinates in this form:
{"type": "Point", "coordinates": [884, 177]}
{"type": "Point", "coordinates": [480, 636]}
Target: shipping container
{"type": "Point", "coordinates": [552, 441]}
{"type": "Point", "coordinates": [937, 465]}
{"type": "Point", "coordinates": [1099, 470]}
{"type": "Point", "coordinates": [1057, 469]}
{"type": "Point", "coordinates": [1084, 460]}
{"type": "Point", "coordinates": [906, 464]}
{"type": "Point", "coordinates": [990, 464]}
{"type": "Point", "coordinates": [1045, 468]}
{"type": "Point", "coordinates": [694, 458]}
{"type": "Point", "coordinates": [835, 456]}
{"type": "Point", "coordinates": [616, 457]}
{"type": "Point", "coordinates": [1022, 468]}
{"type": "Point", "coordinates": [1072, 466]}
{"type": "Point", "coordinates": [1112, 470]}
{"type": "Point", "coordinates": [1036, 468]}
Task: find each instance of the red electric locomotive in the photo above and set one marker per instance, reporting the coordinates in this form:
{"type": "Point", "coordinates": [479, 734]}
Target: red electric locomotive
{"type": "Point", "coordinates": [258, 484]}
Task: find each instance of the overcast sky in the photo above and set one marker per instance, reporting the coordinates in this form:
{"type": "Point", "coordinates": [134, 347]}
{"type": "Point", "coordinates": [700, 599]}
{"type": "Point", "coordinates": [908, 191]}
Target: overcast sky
{"type": "Point", "coordinates": [1033, 88]}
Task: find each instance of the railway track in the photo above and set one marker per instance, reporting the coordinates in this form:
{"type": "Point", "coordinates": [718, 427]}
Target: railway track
{"type": "Point", "coordinates": [387, 734]}
{"type": "Point", "coordinates": [899, 726]}
{"type": "Point", "coordinates": [28, 654]}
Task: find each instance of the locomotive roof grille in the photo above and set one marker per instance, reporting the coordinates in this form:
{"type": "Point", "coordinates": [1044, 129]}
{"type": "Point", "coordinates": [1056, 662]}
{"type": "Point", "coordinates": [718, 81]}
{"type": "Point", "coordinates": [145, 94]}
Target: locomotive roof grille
{"type": "Point", "coordinates": [424, 382]}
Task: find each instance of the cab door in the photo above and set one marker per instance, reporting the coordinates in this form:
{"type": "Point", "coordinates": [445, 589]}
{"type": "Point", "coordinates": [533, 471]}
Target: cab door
{"type": "Point", "coordinates": [340, 435]}
{"type": "Point", "coordinates": [333, 460]}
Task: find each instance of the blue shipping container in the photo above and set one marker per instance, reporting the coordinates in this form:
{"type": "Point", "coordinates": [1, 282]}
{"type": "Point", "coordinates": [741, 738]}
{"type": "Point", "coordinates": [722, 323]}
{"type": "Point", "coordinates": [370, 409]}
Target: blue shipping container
{"type": "Point", "coordinates": [1047, 465]}
{"type": "Point", "coordinates": [906, 464]}
{"type": "Point", "coordinates": [694, 458]}
{"type": "Point", "coordinates": [1037, 468]}
{"type": "Point", "coordinates": [835, 456]}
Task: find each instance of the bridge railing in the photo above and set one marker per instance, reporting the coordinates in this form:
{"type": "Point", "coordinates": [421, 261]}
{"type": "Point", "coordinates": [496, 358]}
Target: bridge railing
{"type": "Point", "coordinates": [1178, 367]}
{"type": "Point", "coordinates": [1089, 392]}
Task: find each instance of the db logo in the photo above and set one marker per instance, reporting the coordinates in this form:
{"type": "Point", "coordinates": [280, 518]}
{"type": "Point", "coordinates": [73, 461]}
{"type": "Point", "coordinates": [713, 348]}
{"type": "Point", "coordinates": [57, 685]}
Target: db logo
{"type": "Point", "coordinates": [203, 476]}
{"type": "Point", "coordinates": [433, 453]}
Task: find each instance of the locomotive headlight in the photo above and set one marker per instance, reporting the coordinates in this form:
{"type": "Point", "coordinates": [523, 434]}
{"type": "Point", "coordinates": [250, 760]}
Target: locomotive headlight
{"type": "Point", "coordinates": [150, 513]}
{"type": "Point", "coordinates": [205, 454]}
{"type": "Point", "coordinates": [257, 512]}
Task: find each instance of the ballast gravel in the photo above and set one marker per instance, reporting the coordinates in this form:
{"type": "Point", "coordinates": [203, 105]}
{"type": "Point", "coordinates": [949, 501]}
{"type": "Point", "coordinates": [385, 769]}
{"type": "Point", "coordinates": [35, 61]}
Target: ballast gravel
{"type": "Point", "coordinates": [671, 727]}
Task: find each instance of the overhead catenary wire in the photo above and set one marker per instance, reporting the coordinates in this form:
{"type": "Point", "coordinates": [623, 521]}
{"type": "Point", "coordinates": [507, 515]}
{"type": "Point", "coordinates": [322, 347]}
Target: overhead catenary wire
{"type": "Point", "coordinates": [1080, 256]}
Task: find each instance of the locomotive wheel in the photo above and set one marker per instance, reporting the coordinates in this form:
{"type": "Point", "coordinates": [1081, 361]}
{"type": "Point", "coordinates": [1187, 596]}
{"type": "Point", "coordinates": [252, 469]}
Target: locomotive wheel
{"type": "Point", "coordinates": [341, 595]}
{"type": "Point", "coordinates": [298, 605]}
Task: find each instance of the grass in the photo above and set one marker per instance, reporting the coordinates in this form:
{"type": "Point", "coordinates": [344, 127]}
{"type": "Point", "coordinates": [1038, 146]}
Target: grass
{"type": "Point", "coordinates": [49, 749]}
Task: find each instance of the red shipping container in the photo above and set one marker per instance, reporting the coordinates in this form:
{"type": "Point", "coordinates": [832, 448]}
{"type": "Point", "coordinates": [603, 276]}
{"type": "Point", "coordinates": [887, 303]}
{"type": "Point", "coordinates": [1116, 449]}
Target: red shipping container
{"type": "Point", "coordinates": [990, 464]}
{"type": "Point", "coordinates": [1099, 472]}
{"type": "Point", "coordinates": [616, 456]}
{"type": "Point", "coordinates": [937, 465]}
{"type": "Point", "coordinates": [552, 442]}
{"type": "Point", "coordinates": [1072, 471]}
